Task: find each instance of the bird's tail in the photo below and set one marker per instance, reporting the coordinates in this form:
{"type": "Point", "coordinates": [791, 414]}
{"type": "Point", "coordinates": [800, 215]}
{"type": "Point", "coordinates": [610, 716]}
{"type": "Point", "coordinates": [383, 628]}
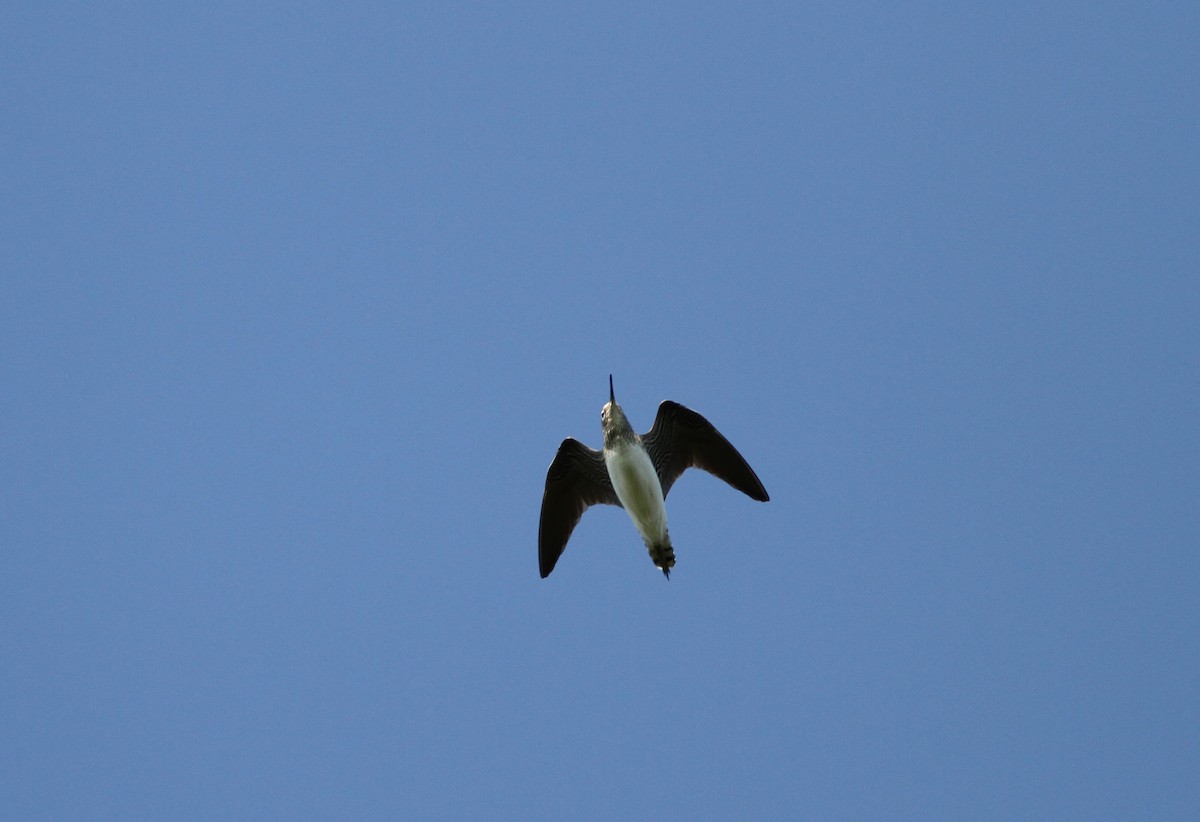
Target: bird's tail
{"type": "Point", "coordinates": [663, 556]}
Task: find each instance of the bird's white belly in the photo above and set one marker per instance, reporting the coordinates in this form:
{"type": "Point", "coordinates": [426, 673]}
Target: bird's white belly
{"type": "Point", "coordinates": [637, 486]}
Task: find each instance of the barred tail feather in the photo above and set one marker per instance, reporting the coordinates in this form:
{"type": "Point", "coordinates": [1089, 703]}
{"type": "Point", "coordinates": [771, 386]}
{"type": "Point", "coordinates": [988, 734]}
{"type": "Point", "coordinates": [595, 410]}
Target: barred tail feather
{"type": "Point", "coordinates": [663, 556]}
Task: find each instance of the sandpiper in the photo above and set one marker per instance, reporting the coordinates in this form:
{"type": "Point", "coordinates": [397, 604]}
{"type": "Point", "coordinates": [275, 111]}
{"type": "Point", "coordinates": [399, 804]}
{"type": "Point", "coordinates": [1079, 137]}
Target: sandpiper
{"type": "Point", "coordinates": [635, 473]}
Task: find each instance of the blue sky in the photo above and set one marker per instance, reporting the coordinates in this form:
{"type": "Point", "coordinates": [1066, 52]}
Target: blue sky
{"type": "Point", "coordinates": [299, 301]}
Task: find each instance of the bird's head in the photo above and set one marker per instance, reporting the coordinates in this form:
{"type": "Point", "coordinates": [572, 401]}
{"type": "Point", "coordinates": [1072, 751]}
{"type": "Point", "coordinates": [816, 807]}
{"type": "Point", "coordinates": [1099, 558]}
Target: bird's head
{"type": "Point", "coordinates": [612, 418]}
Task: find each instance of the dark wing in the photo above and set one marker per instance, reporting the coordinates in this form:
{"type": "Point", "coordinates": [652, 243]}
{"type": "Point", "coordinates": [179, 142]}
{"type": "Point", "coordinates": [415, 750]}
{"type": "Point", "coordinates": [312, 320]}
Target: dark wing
{"type": "Point", "coordinates": [682, 439]}
{"type": "Point", "coordinates": [577, 478]}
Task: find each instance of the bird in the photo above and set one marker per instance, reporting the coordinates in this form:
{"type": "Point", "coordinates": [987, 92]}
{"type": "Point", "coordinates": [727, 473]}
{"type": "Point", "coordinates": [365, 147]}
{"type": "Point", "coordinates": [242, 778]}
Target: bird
{"type": "Point", "coordinates": [635, 473]}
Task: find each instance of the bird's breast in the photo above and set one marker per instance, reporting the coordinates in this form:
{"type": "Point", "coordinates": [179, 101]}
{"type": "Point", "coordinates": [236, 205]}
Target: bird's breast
{"type": "Point", "coordinates": [637, 486]}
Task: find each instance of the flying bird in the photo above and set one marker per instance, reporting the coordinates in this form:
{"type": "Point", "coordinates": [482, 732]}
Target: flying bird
{"type": "Point", "coordinates": [635, 473]}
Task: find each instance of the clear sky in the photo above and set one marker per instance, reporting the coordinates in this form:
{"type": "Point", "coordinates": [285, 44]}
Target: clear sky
{"type": "Point", "coordinates": [298, 301]}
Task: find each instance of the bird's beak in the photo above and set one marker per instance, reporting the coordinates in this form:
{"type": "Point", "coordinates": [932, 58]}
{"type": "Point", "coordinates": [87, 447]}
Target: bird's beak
{"type": "Point", "coordinates": [611, 397]}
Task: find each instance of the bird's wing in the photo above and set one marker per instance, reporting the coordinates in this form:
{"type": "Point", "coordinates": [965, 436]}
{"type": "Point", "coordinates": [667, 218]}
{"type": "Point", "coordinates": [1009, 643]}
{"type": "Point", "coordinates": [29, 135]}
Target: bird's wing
{"type": "Point", "coordinates": [682, 439]}
{"type": "Point", "coordinates": [577, 478]}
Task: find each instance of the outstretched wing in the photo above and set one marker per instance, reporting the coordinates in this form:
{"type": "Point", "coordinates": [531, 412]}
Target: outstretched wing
{"type": "Point", "coordinates": [577, 478]}
{"type": "Point", "coordinates": [682, 439]}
